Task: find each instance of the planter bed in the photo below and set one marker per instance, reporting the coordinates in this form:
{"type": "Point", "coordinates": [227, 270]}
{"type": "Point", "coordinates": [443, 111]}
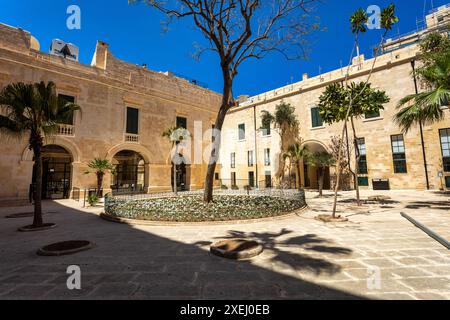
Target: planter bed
{"type": "Point", "coordinates": [192, 208]}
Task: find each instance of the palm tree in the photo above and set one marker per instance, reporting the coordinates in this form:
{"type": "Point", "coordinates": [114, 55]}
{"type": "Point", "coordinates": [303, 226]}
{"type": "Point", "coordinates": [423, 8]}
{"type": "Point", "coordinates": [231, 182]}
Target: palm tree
{"type": "Point", "coordinates": [34, 109]}
{"type": "Point", "coordinates": [321, 161]}
{"type": "Point", "coordinates": [100, 167]}
{"type": "Point", "coordinates": [296, 153]}
{"type": "Point", "coordinates": [426, 107]}
{"type": "Point", "coordinates": [175, 136]}
{"type": "Point", "coordinates": [286, 123]}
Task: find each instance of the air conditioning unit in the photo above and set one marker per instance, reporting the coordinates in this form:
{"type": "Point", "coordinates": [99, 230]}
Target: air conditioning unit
{"type": "Point", "coordinates": [65, 50]}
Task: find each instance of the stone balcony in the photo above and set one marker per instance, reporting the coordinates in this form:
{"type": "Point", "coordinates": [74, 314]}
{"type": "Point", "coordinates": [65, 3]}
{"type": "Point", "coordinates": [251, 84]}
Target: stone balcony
{"type": "Point", "coordinates": [131, 138]}
{"type": "Point", "coordinates": [66, 130]}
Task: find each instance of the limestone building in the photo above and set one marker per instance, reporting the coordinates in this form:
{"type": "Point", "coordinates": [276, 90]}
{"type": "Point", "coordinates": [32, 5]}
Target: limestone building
{"type": "Point", "coordinates": [390, 159]}
{"type": "Point", "coordinates": [125, 109]}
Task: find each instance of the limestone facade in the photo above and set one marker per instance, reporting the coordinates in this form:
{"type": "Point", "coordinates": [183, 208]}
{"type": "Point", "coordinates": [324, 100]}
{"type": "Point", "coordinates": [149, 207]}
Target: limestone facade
{"type": "Point", "coordinates": [393, 74]}
{"type": "Point", "coordinates": [104, 91]}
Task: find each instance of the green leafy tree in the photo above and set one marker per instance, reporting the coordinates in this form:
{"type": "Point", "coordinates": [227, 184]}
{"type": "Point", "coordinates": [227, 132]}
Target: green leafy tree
{"type": "Point", "coordinates": [286, 123]}
{"type": "Point", "coordinates": [333, 104]}
{"type": "Point", "coordinates": [100, 168]}
{"type": "Point", "coordinates": [321, 161]}
{"type": "Point", "coordinates": [175, 136]}
{"type": "Point", "coordinates": [357, 23]}
{"type": "Point", "coordinates": [296, 153]}
{"type": "Point", "coordinates": [34, 110]}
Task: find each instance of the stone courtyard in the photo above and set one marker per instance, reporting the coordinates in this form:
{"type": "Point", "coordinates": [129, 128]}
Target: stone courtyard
{"type": "Point", "coordinates": [376, 255]}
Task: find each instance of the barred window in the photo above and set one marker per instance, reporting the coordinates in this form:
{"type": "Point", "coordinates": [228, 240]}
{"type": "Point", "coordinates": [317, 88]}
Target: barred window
{"type": "Point", "coordinates": [362, 164]}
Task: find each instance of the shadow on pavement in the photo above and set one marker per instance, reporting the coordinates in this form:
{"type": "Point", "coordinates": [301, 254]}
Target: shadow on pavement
{"type": "Point", "coordinates": [130, 263]}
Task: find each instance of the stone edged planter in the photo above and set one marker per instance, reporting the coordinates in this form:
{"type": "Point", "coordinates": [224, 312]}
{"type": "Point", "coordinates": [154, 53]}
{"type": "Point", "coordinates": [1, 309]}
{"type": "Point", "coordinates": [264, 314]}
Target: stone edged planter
{"type": "Point", "coordinates": [330, 219]}
{"type": "Point", "coordinates": [134, 222]}
{"type": "Point", "coordinates": [65, 248]}
{"type": "Point", "coordinates": [46, 226]}
{"type": "Point", "coordinates": [237, 249]}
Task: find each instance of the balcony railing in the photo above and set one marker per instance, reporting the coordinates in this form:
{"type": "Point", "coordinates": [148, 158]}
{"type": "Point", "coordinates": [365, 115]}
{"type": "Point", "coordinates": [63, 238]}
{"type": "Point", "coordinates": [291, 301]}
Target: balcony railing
{"type": "Point", "coordinates": [66, 130]}
{"type": "Point", "coordinates": [133, 138]}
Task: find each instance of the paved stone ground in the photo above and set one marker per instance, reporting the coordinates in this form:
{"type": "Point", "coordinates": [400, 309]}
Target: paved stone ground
{"type": "Point", "coordinates": [377, 255]}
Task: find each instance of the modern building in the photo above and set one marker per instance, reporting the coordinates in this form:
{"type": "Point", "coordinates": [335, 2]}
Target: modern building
{"type": "Point", "coordinates": [390, 159]}
{"type": "Point", "coordinates": [125, 109]}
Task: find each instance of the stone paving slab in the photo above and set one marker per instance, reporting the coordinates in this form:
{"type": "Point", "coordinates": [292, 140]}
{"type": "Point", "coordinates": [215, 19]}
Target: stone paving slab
{"type": "Point", "coordinates": [303, 258]}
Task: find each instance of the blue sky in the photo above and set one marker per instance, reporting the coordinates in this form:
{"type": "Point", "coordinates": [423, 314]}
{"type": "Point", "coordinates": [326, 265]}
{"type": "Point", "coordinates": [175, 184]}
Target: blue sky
{"type": "Point", "coordinates": [134, 34]}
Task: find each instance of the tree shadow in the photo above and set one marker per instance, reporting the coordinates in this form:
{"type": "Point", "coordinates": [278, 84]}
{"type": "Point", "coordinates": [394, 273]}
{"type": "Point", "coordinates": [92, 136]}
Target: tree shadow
{"type": "Point", "coordinates": [157, 262]}
{"type": "Point", "coordinates": [307, 250]}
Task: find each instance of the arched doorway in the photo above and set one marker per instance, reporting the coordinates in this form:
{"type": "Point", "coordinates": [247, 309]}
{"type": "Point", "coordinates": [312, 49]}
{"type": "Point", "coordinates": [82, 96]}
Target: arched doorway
{"type": "Point", "coordinates": [129, 174]}
{"type": "Point", "coordinates": [310, 174]}
{"type": "Point", "coordinates": [183, 174]}
{"type": "Point", "coordinates": [56, 172]}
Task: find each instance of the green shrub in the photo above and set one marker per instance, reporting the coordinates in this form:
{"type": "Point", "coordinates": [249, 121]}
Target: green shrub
{"type": "Point", "coordinates": [92, 200]}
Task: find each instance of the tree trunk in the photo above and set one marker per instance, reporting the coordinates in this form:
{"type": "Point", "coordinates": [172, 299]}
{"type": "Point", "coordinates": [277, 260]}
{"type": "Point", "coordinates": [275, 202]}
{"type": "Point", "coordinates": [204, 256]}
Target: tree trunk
{"type": "Point", "coordinates": [299, 176]}
{"type": "Point", "coordinates": [36, 142]}
{"type": "Point", "coordinates": [321, 178]}
{"type": "Point", "coordinates": [175, 182]}
{"type": "Point", "coordinates": [227, 103]}
{"type": "Point", "coordinates": [100, 176]}
{"type": "Point", "coordinates": [357, 157]}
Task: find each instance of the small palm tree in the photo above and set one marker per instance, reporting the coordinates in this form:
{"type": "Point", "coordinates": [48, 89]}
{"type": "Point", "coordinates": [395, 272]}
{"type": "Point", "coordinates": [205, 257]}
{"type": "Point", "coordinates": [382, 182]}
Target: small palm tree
{"type": "Point", "coordinates": [175, 136]}
{"type": "Point", "coordinates": [426, 107]}
{"type": "Point", "coordinates": [286, 122]}
{"type": "Point", "coordinates": [321, 161]}
{"type": "Point", "coordinates": [34, 109]}
{"type": "Point", "coordinates": [296, 153]}
{"type": "Point", "coordinates": [100, 167]}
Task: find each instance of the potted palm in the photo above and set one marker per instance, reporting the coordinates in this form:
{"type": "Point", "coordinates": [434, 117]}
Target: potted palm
{"type": "Point", "coordinates": [100, 167]}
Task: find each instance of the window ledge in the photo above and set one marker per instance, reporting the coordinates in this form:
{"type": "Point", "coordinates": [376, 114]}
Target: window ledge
{"type": "Point", "coordinates": [268, 136]}
{"type": "Point", "coordinates": [373, 119]}
{"type": "Point", "coordinates": [318, 128]}
{"type": "Point", "coordinates": [242, 140]}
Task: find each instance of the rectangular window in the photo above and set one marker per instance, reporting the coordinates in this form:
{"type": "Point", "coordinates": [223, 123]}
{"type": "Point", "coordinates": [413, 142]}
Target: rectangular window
{"type": "Point", "coordinates": [445, 146]}
{"type": "Point", "coordinates": [233, 160]}
{"type": "Point", "coordinates": [363, 181]}
{"type": "Point", "coordinates": [241, 132]}
{"type": "Point", "coordinates": [362, 164]}
{"type": "Point", "coordinates": [399, 154]}
{"type": "Point", "coordinates": [67, 99]}
{"type": "Point", "coordinates": [233, 179]}
{"type": "Point", "coordinates": [132, 120]}
{"type": "Point", "coordinates": [316, 118]}
{"type": "Point", "coordinates": [216, 176]}
{"type": "Point", "coordinates": [250, 159]}
{"type": "Point", "coordinates": [267, 161]}
{"type": "Point", "coordinates": [447, 182]}
{"type": "Point", "coordinates": [251, 179]}
{"type": "Point", "coordinates": [372, 115]}
{"type": "Point", "coordinates": [266, 131]}
{"type": "Point", "coordinates": [181, 122]}
{"type": "Point", "coordinates": [268, 176]}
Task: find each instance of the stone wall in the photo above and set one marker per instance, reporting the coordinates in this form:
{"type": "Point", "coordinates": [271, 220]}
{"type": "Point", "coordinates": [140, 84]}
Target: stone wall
{"type": "Point", "coordinates": [103, 91]}
{"type": "Point", "coordinates": [392, 74]}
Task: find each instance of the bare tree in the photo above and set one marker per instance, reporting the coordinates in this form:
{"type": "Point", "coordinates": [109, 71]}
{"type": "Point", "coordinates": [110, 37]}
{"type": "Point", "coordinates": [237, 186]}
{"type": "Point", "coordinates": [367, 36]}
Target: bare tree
{"type": "Point", "coordinates": [238, 30]}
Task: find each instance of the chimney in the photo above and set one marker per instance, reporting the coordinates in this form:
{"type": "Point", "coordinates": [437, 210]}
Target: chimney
{"type": "Point", "coordinates": [100, 55]}
{"type": "Point", "coordinates": [305, 76]}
